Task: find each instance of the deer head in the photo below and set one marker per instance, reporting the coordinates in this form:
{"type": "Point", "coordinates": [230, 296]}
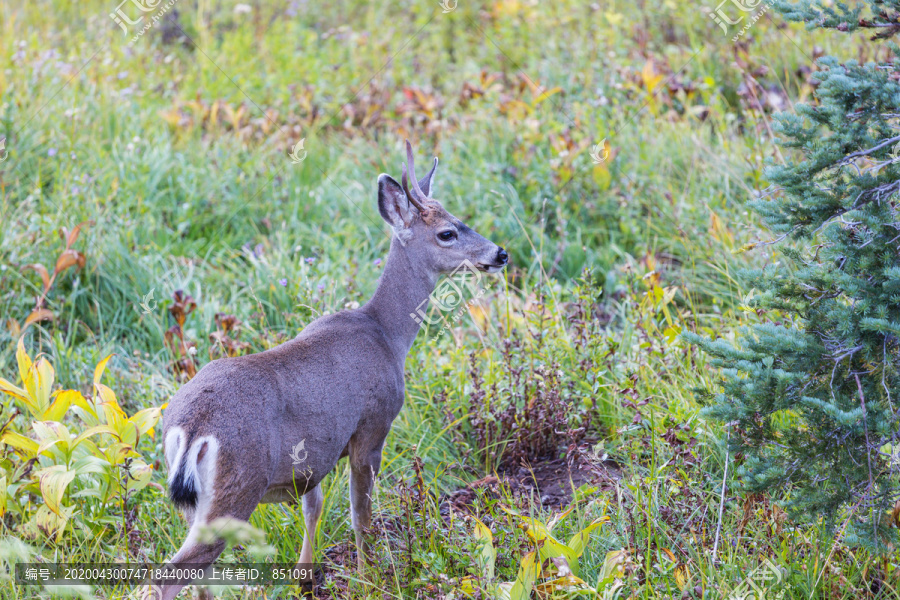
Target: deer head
{"type": "Point", "coordinates": [439, 241]}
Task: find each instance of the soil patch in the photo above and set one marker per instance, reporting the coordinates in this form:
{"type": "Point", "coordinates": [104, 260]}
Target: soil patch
{"type": "Point", "coordinates": [550, 483]}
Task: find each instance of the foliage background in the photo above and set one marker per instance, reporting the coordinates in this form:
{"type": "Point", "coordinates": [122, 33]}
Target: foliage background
{"type": "Point", "coordinates": [175, 150]}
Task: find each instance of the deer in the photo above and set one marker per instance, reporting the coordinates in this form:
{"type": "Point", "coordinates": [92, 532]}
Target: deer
{"type": "Point", "coordinates": [233, 435]}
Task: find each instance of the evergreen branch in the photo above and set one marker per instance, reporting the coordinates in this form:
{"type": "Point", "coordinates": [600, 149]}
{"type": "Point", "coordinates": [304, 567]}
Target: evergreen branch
{"type": "Point", "coordinates": [870, 195]}
{"type": "Point", "coordinates": [869, 151]}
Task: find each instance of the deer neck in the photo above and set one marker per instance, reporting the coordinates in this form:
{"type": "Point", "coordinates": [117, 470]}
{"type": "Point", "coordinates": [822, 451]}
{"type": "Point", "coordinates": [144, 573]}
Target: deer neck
{"type": "Point", "coordinates": [402, 294]}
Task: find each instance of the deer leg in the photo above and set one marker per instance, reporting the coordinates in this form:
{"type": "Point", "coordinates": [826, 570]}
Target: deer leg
{"type": "Point", "coordinates": [362, 479]}
{"type": "Point", "coordinates": [312, 511]}
{"type": "Point", "coordinates": [191, 555]}
{"type": "Point", "coordinates": [203, 593]}
{"type": "Point", "coordinates": [213, 502]}
{"type": "Point", "coordinates": [364, 466]}
{"type": "Point", "coordinates": [194, 555]}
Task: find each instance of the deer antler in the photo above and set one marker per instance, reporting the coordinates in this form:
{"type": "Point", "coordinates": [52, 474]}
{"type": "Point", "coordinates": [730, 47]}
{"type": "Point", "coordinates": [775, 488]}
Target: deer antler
{"type": "Point", "coordinates": [416, 195]}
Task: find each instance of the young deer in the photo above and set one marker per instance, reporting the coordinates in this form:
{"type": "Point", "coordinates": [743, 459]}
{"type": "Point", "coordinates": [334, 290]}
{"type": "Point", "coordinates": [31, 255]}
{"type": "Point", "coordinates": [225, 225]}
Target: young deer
{"type": "Point", "coordinates": [233, 434]}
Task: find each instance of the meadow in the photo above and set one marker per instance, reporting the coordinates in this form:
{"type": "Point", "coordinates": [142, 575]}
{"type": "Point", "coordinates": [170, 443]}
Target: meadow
{"type": "Point", "coordinates": [206, 188]}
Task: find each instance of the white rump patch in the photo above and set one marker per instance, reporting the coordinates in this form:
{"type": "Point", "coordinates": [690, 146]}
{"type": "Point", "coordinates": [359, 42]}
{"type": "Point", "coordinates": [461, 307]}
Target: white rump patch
{"type": "Point", "coordinates": [201, 472]}
{"type": "Point", "coordinates": [173, 446]}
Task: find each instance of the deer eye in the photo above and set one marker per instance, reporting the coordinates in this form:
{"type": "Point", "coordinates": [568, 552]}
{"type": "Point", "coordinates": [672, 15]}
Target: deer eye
{"type": "Point", "coordinates": [446, 236]}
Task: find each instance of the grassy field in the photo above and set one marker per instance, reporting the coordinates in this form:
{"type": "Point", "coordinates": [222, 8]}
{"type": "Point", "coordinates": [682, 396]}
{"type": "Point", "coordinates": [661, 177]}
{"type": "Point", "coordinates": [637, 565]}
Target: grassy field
{"type": "Point", "coordinates": [566, 387]}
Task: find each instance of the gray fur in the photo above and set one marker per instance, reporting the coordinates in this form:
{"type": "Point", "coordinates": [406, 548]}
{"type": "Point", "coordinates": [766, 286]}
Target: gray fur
{"type": "Point", "coordinates": [337, 387]}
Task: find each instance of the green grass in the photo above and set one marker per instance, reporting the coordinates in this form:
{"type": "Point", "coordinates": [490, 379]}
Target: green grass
{"type": "Point", "coordinates": [122, 137]}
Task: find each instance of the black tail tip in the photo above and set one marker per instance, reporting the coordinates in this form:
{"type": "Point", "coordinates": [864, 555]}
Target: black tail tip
{"type": "Point", "coordinates": [182, 491]}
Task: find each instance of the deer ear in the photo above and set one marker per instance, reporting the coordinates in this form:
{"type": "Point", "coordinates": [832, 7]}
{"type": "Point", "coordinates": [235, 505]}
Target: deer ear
{"type": "Point", "coordinates": [393, 204]}
{"type": "Point", "coordinates": [425, 182]}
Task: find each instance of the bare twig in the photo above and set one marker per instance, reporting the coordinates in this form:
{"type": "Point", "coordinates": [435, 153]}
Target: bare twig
{"type": "Point", "coordinates": [868, 151]}
{"type": "Point", "coordinates": [721, 504]}
{"type": "Point", "coordinates": [862, 402]}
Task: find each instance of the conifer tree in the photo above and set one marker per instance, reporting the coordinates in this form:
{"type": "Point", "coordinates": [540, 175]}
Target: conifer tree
{"type": "Point", "coordinates": [812, 392]}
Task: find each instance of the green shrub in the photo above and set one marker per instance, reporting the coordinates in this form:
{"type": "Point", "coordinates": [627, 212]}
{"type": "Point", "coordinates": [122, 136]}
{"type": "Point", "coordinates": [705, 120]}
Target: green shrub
{"type": "Point", "coordinates": [53, 473]}
{"type": "Point", "coordinates": [812, 389]}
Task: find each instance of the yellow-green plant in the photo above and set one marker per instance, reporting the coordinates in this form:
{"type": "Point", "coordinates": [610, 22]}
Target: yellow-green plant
{"type": "Point", "coordinates": [91, 456]}
{"type": "Point", "coordinates": [551, 566]}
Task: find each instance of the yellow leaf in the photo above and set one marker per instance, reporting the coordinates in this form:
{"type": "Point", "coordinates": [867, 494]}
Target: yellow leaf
{"type": "Point", "coordinates": [69, 258]}
{"type": "Point", "coordinates": [650, 77]}
{"type": "Point", "coordinates": [521, 589]}
{"type": "Point", "coordinates": [146, 420]}
{"type": "Point", "coordinates": [60, 406]}
{"type": "Point", "coordinates": [715, 224]}
{"type": "Point", "coordinates": [614, 18]}
{"type": "Point", "coordinates": [482, 532]}
{"type": "Point", "coordinates": [682, 576]}
{"type": "Point", "coordinates": [45, 446]}
{"type": "Point", "coordinates": [116, 453]}
{"type": "Point", "coordinates": [13, 390]}
{"type": "Point", "coordinates": [101, 366]}
{"type": "Point", "coordinates": [516, 109]}
{"type": "Point", "coordinates": [48, 431]}
{"type": "Point", "coordinates": [2, 496]}
{"type": "Point", "coordinates": [614, 565]}
{"type": "Point", "coordinates": [51, 524]}
{"type": "Point", "coordinates": [24, 361]}
{"type": "Point", "coordinates": [214, 114]}
{"type": "Point", "coordinates": [671, 333]}
{"type": "Point", "coordinates": [88, 433]}
{"type": "Point", "coordinates": [20, 442]}
{"type": "Point", "coordinates": [467, 586]}
{"type": "Point", "coordinates": [488, 553]}
{"type": "Point", "coordinates": [718, 229]}
{"type": "Point", "coordinates": [579, 540]}
{"type": "Point", "coordinates": [745, 248]}
{"type": "Point", "coordinates": [669, 294]}
{"type": "Point", "coordinates": [88, 412]}
{"type": "Point", "coordinates": [507, 7]}
{"type": "Point", "coordinates": [39, 314]}
{"type": "Point", "coordinates": [54, 481]}
{"type": "Point", "coordinates": [172, 117]}
{"type": "Point", "coordinates": [108, 397]}
{"type": "Point", "coordinates": [139, 476]}
{"type": "Point", "coordinates": [480, 314]}
{"type": "Point", "coordinates": [567, 583]}
{"type": "Point", "coordinates": [502, 591]}
{"type": "Point", "coordinates": [534, 529]}
{"type": "Point", "coordinates": [545, 95]}
{"type": "Point", "coordinates": [558, 518]}
{"type": "Point", "coordinates": [602, 176]}
{"type": "Point", "coordinates": [125, 430]}
{"type": "Point", "coordinates": [43, 383]}
{"type": "Point", "coordinates": [550, 547]}
{"type": "Point", "coordinates": [42, 271]}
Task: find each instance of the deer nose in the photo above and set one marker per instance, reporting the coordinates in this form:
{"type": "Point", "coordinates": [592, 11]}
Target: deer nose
{"type": "Point", "coordinates": [502, 256]}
